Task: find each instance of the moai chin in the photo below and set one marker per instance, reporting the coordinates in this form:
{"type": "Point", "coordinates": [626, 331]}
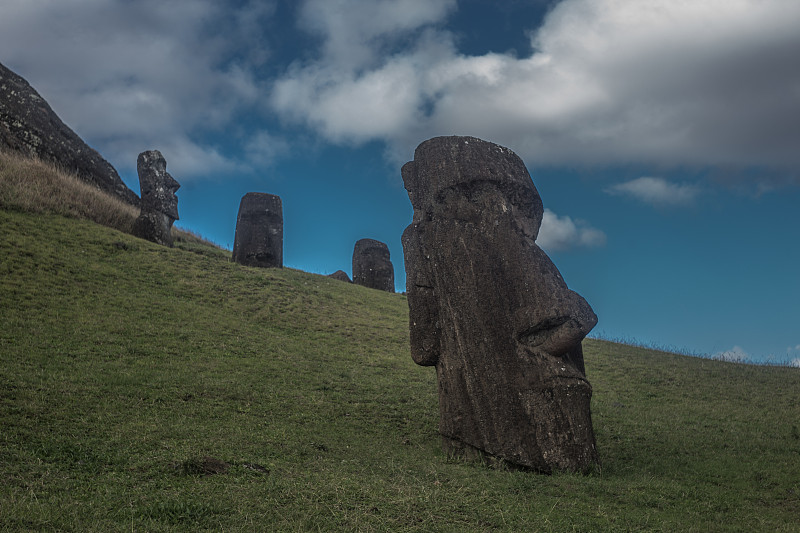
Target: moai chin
{"type": "Point", "coordinates": [159, 203]}
{"type": "Point", "coordinates": [372, 266]}
{"type": "Point", "coordinates": [492, 313]}
{"type": "Point", "coordinates": [259, 231]}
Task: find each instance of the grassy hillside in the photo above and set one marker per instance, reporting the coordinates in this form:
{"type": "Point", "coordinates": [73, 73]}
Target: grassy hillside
{"type": "Point", "coordinates": [152, 389]}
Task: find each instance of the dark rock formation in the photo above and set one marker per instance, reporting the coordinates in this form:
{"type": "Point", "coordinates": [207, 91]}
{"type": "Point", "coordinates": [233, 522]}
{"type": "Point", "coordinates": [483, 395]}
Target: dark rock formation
{"type": "Point", "coordinates": [259, 231]}
{"type": "Point", "coordinates": [371, 265]}
{"type": "Point", "coordinates": [490, 310]}
{"type": "Point", "coordinates": [341, 275]}
{"type": "Point", "coordinates": [159, 203]}
{"type": "Point", "coordinates": [30, 126]}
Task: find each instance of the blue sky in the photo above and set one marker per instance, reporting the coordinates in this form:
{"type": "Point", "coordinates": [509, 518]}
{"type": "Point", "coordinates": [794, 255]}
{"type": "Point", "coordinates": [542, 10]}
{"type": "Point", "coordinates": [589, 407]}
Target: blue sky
{"type": "Point", "coordinates": [662, 135]}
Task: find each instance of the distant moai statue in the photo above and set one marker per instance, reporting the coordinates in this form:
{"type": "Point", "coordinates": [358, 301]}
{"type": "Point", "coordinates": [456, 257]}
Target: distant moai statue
{"type": "Point", "coordinates": [159, 203]}
{"type": "Point", "coordinates": [371, 265]}
{"type": "Point", "coordinates": [259, 231]}
{"type": "Point", "coordinates": [491, 311]}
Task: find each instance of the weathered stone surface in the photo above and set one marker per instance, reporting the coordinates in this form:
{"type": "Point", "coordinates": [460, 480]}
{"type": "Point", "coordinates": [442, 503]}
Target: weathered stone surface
{"type": "Point", "coordinates": [30, 126]}
{"type": "Point", "coordinates": [159, 203]}
{"type": "Point", "coordinates": [259, 231]}
{"type": "Point", "coordinates": [490, 310]}
{"type": "Point", "coordinates": [341, 275]}
{"type": "Point", "coordinates": [371, 265]}
{"type": "Point", "coordinates": [153, 226]}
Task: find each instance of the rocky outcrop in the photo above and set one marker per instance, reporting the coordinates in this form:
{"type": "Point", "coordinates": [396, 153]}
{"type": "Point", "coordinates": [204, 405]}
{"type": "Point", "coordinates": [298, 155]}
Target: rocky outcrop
{"type": "Point", "coordinates": [28, 125]}
{"type": "Point", "coordinates": [492, 313]}
{"type": "Point", "coordinates": [372, 266]}
{"type": "Point", "coordinates": [341, 275]}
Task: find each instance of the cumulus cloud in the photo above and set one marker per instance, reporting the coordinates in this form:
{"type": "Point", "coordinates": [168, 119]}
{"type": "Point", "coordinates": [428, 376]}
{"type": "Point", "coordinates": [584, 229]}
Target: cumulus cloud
{"type": "Point", "coordinates": [356, 32]}
{"type": "Point", "coordinates": [562, 233]}
{"type": "Point", "coordinates": [734, 355]}
{"type": "Point", "coordinates": [131, 76]}
{"type": "Point", "coordinates": [263, 148]}
{"type": "Point", "coordinates": [790, 351]}
{"type": "Point", "coordinates": [711, 82]}
{"type": "Point", "coordinates": [656, 191]}
{"type": "Point", "coordinates": [705, 83]}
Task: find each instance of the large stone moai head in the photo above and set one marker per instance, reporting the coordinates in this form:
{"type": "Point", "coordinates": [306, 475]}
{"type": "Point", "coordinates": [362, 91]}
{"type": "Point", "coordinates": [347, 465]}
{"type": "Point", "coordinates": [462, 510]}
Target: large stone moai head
{"type": "Point", "coordinates": [371, 265]}
{"type": "Point", "coordinates": [159, 203]}
{"type": "Point", "coordinates": [259, 231]}
{"type": "Point", "coordinates": [490, 310]}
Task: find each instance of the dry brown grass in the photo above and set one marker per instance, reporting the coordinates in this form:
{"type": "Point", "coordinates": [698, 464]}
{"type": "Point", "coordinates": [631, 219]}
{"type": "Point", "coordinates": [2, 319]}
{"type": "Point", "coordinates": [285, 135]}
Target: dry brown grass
{"type": "Point", "coordinates": [34, 186]}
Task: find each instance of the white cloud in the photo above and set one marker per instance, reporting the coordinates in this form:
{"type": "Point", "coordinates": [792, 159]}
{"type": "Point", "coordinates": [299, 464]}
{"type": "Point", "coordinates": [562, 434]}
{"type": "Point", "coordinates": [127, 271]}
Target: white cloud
{"type": "Point", "coordinates": [795, 363]}
{"type": "Point", "coordinates": [734, 355]}
{"type": "Point", "coordinates": [355, 32]}
{"type": "Point", "coordinates": [562, 233]}
{"type": "Point", "coordinates": [656, 191]}
{"type": "Point", "coordinates": [703, 82]}
{"type": "Point", "coordinates": [131, 76]}
{"type": "Point", "coordinates": [707, 82]}
{"type": "Point", "coordinates": [263, 148]}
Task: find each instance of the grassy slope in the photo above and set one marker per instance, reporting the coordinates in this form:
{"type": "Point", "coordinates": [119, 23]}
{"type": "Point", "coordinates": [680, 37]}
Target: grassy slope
{"type": "Point", "coordinates": [123, 364]}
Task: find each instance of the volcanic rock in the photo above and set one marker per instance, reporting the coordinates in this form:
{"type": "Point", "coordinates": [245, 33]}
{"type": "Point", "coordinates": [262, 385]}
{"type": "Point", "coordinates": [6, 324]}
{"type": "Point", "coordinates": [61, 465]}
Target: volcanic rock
{"type": "Point", "coordinates": [341, 275]}
{"type": "Point", "coordinates": [28, 125]}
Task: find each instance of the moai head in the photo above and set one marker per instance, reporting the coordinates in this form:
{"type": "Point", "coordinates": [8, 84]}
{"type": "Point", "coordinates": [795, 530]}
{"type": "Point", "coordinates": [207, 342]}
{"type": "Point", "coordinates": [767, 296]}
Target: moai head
{"type": "Point", "coordinates": [490, 310]}
{"type": "Point", "coordinates": [157, 186]}
{"type": "Point", "coordinates": [259, 231]}
{"type": "Point", "coordinates": [159, 203]}
{"type": "Point", "coordinates": [371, 265]}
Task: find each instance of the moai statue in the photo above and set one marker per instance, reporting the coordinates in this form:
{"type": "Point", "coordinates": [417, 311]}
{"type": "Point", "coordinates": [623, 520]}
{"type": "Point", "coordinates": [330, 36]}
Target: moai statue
{"type": "Point", "coordinates": [371, 265]}
{"type": "Point", "coordinates": [491, 312]}
{"type": "Point", "coordinates": [159, 203]}
{"type": "Point", "coordinates": [259, 231]}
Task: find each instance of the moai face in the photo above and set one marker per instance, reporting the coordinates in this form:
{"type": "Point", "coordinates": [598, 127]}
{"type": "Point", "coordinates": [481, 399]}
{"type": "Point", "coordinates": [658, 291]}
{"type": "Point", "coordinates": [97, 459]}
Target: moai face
{"type": "Point", "coordinates": [491, 311]}
{"type": "Point", "coordinates": [259, 231]}
{"type": "Point", "coordinates": [156, 185]}
{"type": "Point", "coordinates": [372, 266]}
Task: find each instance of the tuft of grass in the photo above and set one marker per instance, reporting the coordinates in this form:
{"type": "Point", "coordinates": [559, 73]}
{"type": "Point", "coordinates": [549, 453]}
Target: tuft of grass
{"type": "Point", "coordinates": [34, 186]}
{"type": "Point", "coordinates": [129, 371]}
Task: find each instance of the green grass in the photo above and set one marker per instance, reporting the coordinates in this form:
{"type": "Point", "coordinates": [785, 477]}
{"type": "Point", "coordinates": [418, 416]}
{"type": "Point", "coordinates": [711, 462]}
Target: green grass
{"type": "Point", "coordinates": [144, 388]}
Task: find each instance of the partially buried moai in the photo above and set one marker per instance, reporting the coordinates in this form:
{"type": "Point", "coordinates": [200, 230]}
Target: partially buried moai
{"type": "Point", "coordinates": [259, 231]}
{"type": "Point", "coordinates": [372, 266]}
{"type": "Point", "coordinates": [159, 203]}
{"type": "Point", "coordinates": [490, 310]}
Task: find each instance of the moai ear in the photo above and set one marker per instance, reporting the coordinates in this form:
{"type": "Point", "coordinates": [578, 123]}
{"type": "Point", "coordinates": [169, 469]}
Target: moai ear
{"type": "Point", "coordinates": [423, 304]}
{"type": "Point", "coordinates": [425, 333]}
